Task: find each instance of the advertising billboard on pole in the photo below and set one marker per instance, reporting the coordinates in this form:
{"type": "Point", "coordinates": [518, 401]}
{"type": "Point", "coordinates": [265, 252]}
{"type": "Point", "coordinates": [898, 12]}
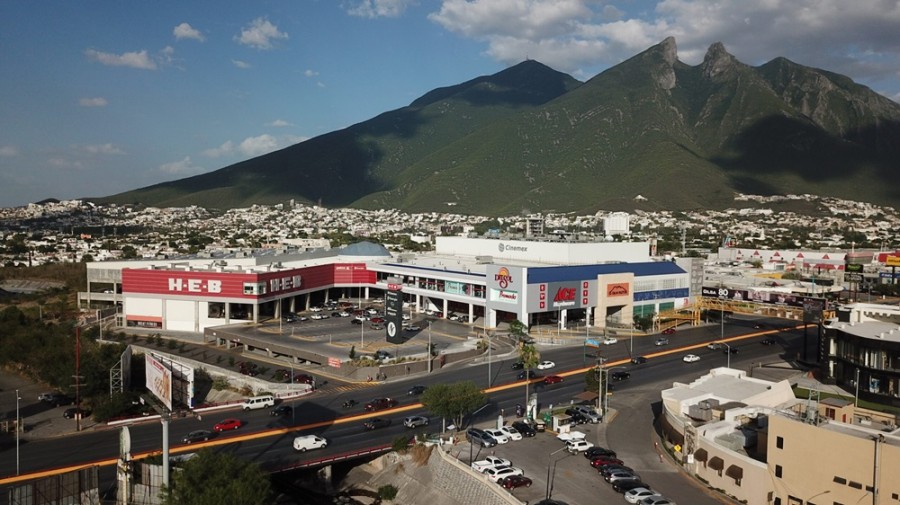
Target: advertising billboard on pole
{"type": "Point", "coordinates": [393, 311]}
{"type": "Point", "coordinates": [159, 380]}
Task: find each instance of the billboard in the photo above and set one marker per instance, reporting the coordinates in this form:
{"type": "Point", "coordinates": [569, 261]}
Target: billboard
{"type": "Point", "coordinates": [892, 261]}
{"type": "Point", "coordinates": [393, 311]}
{"type": "Point", "coordinates": [757, 296]}
{"type": "Point", "coordinates": [549, 296]}
{"type": "Point", "coordinates": [182, 379]}
{"type": "Point", "coordinates": [505, 284]}
{"type": "Point", "coordinates": [812, 310]}
{"type": "Point", "coordinates": [159, 380]}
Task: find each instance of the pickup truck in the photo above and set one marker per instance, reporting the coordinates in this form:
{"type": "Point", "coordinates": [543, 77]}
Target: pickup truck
{"type": "Point", "coordinates": [483, 465]}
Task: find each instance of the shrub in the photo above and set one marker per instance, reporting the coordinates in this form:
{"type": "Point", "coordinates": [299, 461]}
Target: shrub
{"type": "Point", "coordinates": [387, 492]}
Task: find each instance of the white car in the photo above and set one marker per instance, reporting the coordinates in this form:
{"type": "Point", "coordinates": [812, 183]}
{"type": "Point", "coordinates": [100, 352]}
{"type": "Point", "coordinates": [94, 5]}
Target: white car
{"type": "Point", "coordinates": [317, 316]}
{"type": "Point", "coordinates": [639, 493]}
{"type": "Point", "coordinates": [511, 433]}
{"type": "Point", "coordinates": [316, 309]}
{"type": "Point", "coordinates": [575, 446]}
{"type": "Point", "coordinates": [499, 435]}
{"type": "Point", "coordinates": [498, 473]}
{"type": "Point", "coordinates": [610, 340]}
{"type": "Point", "coordinates": [544, 365]}
{"type": "Point", "coordinates": [490, 462]}
{"type": "Point", "coordinates": [690, 358]}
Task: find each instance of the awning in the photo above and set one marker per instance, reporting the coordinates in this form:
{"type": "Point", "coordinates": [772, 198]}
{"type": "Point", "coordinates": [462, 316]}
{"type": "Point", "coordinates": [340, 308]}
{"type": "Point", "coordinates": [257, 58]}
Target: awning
{"type": "Point", "coordinates": [735, 472]}
{"type": "Point", "coordinates": [716, 463]}
{"type": "Point", "coordinates": [701, 455]}
{"type": "Point", "coordinates": [587, 396]}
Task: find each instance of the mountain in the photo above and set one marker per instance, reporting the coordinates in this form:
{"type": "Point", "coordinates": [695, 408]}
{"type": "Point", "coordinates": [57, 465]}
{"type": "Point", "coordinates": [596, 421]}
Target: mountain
{"type": "Point", "coordinates": [531, 138]}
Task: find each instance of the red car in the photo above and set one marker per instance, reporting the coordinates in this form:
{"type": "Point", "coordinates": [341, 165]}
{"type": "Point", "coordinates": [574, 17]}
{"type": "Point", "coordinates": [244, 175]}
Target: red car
{"type": "Point", "coordinates": [552, 379]}
{"type": "Point", "coordinates": [668, 331]}
{"type": "Point", "coordinates": [603, 460]}
{"type": "Point", "coordinates": [228, 424]}
{"type": "Point", "coordinates": [380, 403]}
{"type": "Point", "coordinates": [514, 481]}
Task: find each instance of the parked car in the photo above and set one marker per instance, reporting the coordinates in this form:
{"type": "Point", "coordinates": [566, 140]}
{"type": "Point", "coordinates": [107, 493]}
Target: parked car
{"type": "Point", "coordinates": [639, 493]}
{"type": "Point", "coordinates": [511, 433]}
{"type": "Point", "coordinates": [619, 375]}
{"type": "Point", "coordinates": [638, 360]}
{"type": "Point", "coordinates": [498, 473]}
{"type": "Point", "coordinates": [317, 316]}
{"type": "Point", "coordinates": [576, 446]}
{"type": "Point", "coordinates": [415, 421]}
{"type": "Point", "coordinates": [656, 500]}
{"type": "Point", "coordinates": [597, 451]}
{"type": "Point", "coordinates": [514, 481]}
{"type": "Point", "coordinates": [606, 470]}
{"type": "Point", "coordinates": [690, 358]}
{"type": "Point", "coordinates": [356, 321]}
{"type": "Point", "coordinates": [623, 486]}
{"type": "Point", "coordinates": [605, 460]}
{"type": "Point", "coordinates": [380, 404]}
{"type": "Point", "coordinates": [498, 435]}
{"type": "Point", "coordinates": [524, 428]}
{"type": "Point", "coordinates": [621, 475]}
{"type": "Point", "coordinates": [552, 379]}
{"type": "Point", "coordinates": [479, 437]}
{"type": "Point", "coordinates": [589, 413]}
{"type": "Point", "coordinates": [70, 413]}
{"type": "Point", "coordinates": [376, 423]}
{"type": "Point", "coordinates": [197, 436]}
{"type": "Point", "coordinates": [227, 424]}
{"type": "Point", "coordinates": [661, 341]}
{"type": "Point", "coordinates": [545, 365]}
{"type": "Point", "coordinates": [416, 390]}
{"type": "Point", "coordinates": [413, 327]}
{"type": "Point", "coordinates": [489, 462]}
{"type": "Point", "coordinates": [56, 399]}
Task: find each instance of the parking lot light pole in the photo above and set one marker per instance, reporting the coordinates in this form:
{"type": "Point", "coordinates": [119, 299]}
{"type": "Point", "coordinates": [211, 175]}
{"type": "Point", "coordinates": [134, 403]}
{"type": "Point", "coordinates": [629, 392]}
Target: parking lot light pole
{"type": "Point", "coordinates": [549, 462]}
{"type": "Point", "coordinates": [18, 429]}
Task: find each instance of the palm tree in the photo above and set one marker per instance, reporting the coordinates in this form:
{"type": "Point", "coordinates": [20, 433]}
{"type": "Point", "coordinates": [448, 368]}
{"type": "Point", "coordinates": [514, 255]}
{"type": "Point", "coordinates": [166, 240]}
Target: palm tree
{"type": "Point", "coordinates": [530, 357]}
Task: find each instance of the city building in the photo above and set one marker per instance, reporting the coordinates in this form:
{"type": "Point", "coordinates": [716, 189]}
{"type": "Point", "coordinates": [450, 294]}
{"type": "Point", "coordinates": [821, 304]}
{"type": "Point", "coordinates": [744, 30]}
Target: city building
{"type": "Point", "coordinates": [487, 281]}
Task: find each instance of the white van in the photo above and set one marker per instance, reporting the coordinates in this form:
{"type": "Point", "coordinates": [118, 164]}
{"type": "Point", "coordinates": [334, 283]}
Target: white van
{"type": "Point", "coordinates": [306, 442]}
{"type": "Point", "coordinates": [259, 402]}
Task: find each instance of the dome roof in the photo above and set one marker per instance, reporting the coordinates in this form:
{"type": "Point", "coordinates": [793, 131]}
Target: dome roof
{"type": "Point", "coordinates": [364, 248]}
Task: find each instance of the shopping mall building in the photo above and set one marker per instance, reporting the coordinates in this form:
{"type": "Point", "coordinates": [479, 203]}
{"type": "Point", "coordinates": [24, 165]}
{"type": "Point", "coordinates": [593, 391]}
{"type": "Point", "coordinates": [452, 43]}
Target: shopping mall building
{"type": "Point", "coordinates": [488, 280]}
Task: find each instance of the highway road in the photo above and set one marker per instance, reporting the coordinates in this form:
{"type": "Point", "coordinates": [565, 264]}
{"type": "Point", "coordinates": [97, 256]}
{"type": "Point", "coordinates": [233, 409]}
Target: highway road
{"type": "Point", "coordinates": [267, 440]}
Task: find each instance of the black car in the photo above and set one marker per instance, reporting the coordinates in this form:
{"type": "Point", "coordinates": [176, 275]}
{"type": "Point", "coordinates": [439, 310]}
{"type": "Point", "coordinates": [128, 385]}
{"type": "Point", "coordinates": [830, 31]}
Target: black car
{"type": "Point", "coordinates": [524, 428]}
{"type": "Point", "coordinates": [531, 374]}
{"type": "Point", "coordinates": [356, 321]}
{"type": "Point", "coordinates": [416, 390]}
{"type": "Point", "coordinates": [730, 350]}
{"type": "Point", "coordinates": [375, 423]}
{"type": "Point", "coordinates": [576, 417]}
{"type": "Point", "coordinates": [57, 399]}
{"type": "Point", "coordinates": [622, 486]}
{"type": "Point", "coordinates": [768, 341]}
{"type": "Point", "coordinates": [197, 436]}
{"type": "Point", "coordinates": [619, 375]}
{"type": "Point", "coordinates": [72, 412]}
{"type": "Point", "coordinates": [281, 410]}
{"type": "Point", "coordinates": [637, 360]}
{"type": "Point", "coordinates": [518, 365]}
{"type": "Point", "coordinates": [596, 451]}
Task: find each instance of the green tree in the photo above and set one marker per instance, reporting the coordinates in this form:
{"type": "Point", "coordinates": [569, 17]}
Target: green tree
{"type": "Point", "coordinates": [518, 329]}
{"type": "Point", "coordinates": [453, 401]}
{"type": "Point", "coordinates": [213, 478]}
{"type": "Point", "coordinates": [593, 381]}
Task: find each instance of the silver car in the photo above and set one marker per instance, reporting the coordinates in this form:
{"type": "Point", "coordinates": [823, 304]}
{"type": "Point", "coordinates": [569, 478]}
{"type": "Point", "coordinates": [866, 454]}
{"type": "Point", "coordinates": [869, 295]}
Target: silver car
{"type": "Point", "coordinates": [414, 421]}
{"type": "Point", "coordinates": [621, 476]}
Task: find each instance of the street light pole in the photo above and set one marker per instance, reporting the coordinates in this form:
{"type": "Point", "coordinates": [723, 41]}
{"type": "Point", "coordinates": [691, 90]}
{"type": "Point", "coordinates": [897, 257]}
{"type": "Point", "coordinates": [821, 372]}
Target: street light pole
{"type": "Point", "coordinates": [430, 361]}
{"type": "Point", "coordinates": [728, 350]}
{"type": "Point", "coordinates": [856, 396]}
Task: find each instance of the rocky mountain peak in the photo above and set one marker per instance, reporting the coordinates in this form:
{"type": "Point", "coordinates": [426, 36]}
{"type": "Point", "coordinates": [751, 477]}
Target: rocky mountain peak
{"type": "Point", "coordinates": [718, 63]}
{"type": "Point", "coordinates": [669, 50]}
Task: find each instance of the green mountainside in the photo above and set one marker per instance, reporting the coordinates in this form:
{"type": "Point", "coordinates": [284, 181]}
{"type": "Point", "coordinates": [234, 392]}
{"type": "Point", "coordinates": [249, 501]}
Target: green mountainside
{"type": "Point", "coordinates": [648, 133]}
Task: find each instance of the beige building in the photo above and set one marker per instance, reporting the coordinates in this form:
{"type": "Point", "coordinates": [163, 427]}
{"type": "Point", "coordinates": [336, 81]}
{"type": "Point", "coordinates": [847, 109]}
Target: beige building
{"type": "Point", "coordinates": [754, 441]}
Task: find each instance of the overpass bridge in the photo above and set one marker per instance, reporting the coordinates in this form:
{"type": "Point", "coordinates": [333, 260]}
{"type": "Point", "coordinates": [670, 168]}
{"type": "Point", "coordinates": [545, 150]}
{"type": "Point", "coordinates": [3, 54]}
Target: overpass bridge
{"type": "Point", "coordinates": [693, 313]}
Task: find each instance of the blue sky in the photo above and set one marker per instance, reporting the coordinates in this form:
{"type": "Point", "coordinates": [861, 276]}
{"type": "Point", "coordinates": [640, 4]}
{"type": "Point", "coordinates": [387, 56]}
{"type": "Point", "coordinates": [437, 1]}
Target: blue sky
{"type": "Point", "coordinates": [100, 97]}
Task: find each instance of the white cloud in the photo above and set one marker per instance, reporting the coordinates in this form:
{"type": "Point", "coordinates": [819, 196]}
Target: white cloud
{"type": "Point", "coordinates": [253, 146]}
{"type": "Point", "coordinates": [240, 64]}
{"type": "Point", "coordinates": [9, 151]}
{"type": "Point", "coordinates": [378, 8]}
{"type": "Point", "coordinates": [186, 31]}
{"type": "Point", "coordinates": [102, 149]}
{"type": "Point", "coordinates": [310, 73]}
{"type": "Point", "coordinates": [135, 59]}
{"type": "Point", "coordinates": [260, 34]}
{"type": "Point", "coordinates": [181, 167]}
{"type": "Point", "coordinates": [859, 39]}
{"type": "Point", "coordinates": [64, 163]}
{"type": "Point", "coordinates": [280, 123]}
{"type": "Point", "coordinates": [92, 102]}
